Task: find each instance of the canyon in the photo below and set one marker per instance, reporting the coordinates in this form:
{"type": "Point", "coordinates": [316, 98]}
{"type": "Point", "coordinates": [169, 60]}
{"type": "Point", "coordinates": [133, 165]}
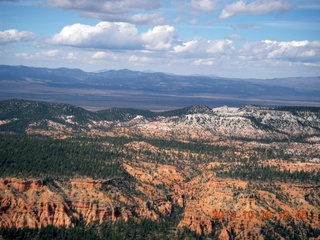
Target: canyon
{"type": "Point", "coordinates": [236, 173]}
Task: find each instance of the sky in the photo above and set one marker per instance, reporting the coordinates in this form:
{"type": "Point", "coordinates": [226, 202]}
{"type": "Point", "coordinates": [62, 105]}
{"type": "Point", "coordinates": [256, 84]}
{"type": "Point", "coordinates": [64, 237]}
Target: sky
{"type": "Point", "coordinates": [227, 38]}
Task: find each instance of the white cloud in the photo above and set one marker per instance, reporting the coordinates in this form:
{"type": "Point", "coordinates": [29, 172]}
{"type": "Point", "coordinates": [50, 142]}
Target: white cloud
{"type": "Point", "coordinates": [100, 55]}
{"type": "Point", "coordinates": [110, 10]}
{"type": "Point", "coordinates": [13, 35]}
{"type": "Point", "coordinates": [39, 55]}
{"type": "Point", "coordinates": [292, 51]}
{"type": "Point", "coordinates": [191, 46]}
{"type": "Point", "coordinates": [106, 6]}
{"type": "Point", "coordinates": [159, 38]}
{"type": "Point", "coordinates": [148, 18]}
{"type": "Point", "coordinates": [105, 35]}
{"type": "Point", "coordinates": [308, 53]}
{"type": "Point", "coordinates": [139, 59]}
{"type": "Point", "coordinates": [71, 56]}
{"type": "Point", "coordinates": [219, 46]}
{"type": "Point", "coordinates": [276, 53]}
{"type": "Point", "coordinates": [202, 47]}
{"type": "Point", "coordinates": [118, 35]}
{"type": "Point", "coordinates": [205, 62]}
{"type": "Point", "coordinates": [203, 5]}
{"type": "Point", "coordinates": [255, 57]}
{"type": "Point", "coordinates": [51, 53]}
{"type": "Point", "coordinates": [257, 7]}
{"type": "Point", "coordinates": [157, 18]}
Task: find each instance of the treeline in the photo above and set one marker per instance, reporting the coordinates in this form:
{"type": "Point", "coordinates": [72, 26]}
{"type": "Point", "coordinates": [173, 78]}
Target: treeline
{"type": "Point", "coordinates": [24, 155]}
{"type": "Point", "coordinates": [294, 230]}
{"type": "Point", "coordinates": [196, 147]}
{"type": "Point", "coordinates": [294, 109]}
{"type": "Point", "coordinates": [253, 171]}
{"type": "Point", "coordinates": [162, 155]}
{"type": "Point", "coordinates": [37, 156]}
{"type": "Point", "coordinates": [145, 229]}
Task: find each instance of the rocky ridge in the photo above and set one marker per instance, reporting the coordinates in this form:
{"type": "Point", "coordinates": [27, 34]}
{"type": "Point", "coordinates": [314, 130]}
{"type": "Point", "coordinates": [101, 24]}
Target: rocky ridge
{"type": "Point", "coordinates": [253, 122]}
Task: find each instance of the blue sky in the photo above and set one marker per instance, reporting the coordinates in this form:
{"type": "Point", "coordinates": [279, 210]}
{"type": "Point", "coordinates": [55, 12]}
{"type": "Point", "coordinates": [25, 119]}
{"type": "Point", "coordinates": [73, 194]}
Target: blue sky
{"type": "Point", "coordinates": [229, 38]}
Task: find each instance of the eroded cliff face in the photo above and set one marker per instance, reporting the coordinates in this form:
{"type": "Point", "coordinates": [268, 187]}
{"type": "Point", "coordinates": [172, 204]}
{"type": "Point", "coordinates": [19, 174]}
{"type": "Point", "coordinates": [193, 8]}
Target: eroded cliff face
{"type": "Point", "coordinates": [36, 203]}
{"type": "Point", "coordinates": [32, 203]}
{"type": "Point", "coordinates": [230, 207]}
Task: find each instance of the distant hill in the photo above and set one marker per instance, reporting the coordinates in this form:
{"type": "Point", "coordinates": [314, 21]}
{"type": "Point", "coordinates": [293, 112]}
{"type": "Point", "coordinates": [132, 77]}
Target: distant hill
{"type": "Point", "coordinates": [156, 91]}
{"type": "Point", "coordinates": [21, 113]}
{"type": "Point", "coordinates": [18, 115]}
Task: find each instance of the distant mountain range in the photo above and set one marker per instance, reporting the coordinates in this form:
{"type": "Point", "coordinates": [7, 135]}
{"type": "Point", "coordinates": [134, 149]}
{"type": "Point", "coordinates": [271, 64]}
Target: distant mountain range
{"type": "Point", "coordinates": [153, 91]}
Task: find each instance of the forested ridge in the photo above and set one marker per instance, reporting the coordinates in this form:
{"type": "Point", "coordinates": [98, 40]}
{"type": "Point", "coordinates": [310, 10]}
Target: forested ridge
{"type": "Point", "coordinates": [145, 229]}
{"type": "Point", "coordinates": [24, 155]}
{"type": "Point", "coordinates": [38, 156]}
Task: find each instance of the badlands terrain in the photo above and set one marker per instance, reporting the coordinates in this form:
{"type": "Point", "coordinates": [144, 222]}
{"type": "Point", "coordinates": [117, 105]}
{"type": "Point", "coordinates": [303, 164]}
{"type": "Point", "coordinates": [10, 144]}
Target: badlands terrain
{"type": "Point", "coordinates": [251, 172]}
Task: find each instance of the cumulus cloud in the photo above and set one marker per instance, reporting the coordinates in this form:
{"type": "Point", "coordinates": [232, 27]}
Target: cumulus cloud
{"type": "Point", "coordinates": [220, 46]}
{"type": "Point", "coordinates": [257, 7]}
{"type": "Point", "coordinates": [252, 55]}
{"type": "Point", "coordinates": [139, 59]}
{"type": "Point", "coordinates": [99, 55]}
{"type": "Point", "coordinates": [13, 35]}
{"type": "Point", "coordinates": [274, 51]}
{"type": "Point", "coordinates": [103, 55]}
{"type": "Point", "coordinates": [116, 35]}
{"type": "Point", "coordinates": [110, 10]}
{"type": "Point", "coordinates": [159, 38]}
{"type": "Point", "coordinates": [293, 51]}
{"type": "Point", "coordinates": [192, 46]}
{"type": "Point", "coordinates": [202, 47]}
{"type": "Point", "coordinates": [203, 5]}
{"type": "Point", "coordinates": [105, 35]}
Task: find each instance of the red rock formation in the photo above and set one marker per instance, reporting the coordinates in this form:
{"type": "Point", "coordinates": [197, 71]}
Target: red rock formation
{"type": "Point", "coordinates": [94, 211]}
{"type": "Point", "coordinates": [31, 203]}
{"type": "Point", "coordinates": [21, 185]}
{"type": "Point", "coordinates": [147, 212]}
